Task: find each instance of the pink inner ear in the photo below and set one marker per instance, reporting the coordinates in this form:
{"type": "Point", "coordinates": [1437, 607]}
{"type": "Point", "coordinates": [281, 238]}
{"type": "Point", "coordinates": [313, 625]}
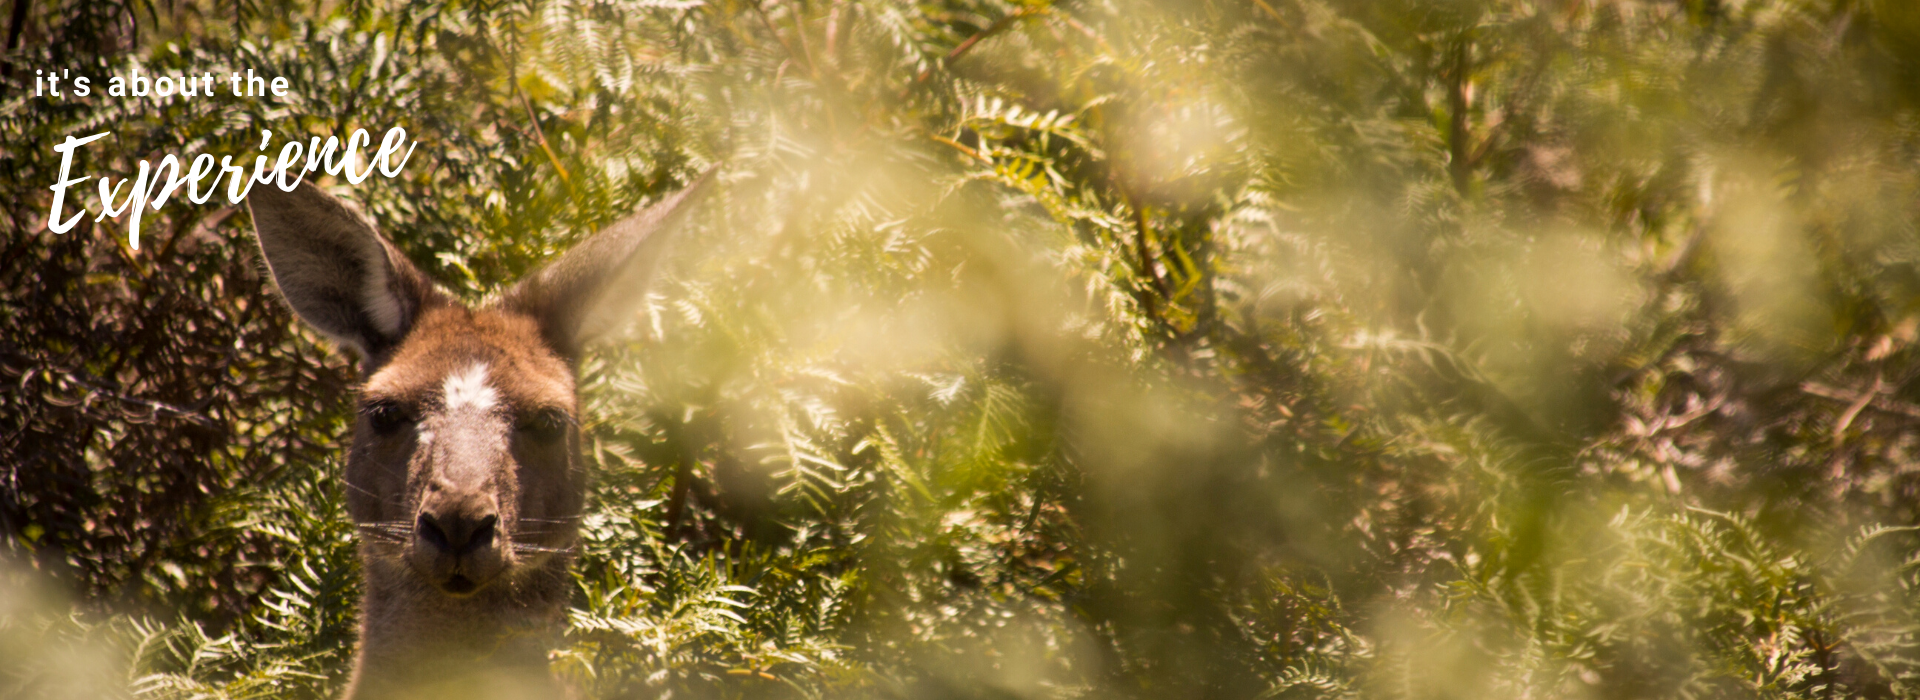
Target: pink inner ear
{"type": "Point", "coordinates": [383, 304]}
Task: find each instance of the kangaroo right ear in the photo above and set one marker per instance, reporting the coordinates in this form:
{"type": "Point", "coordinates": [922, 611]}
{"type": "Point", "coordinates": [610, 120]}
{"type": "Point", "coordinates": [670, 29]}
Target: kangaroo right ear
{"type": "Point", "coordinates": [595, 287]}
{"type": "Point", "coordinates": [336, 272]}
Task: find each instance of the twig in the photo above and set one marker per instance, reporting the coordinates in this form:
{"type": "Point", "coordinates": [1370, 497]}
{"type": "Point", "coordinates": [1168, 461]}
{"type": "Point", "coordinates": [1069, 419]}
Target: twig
{"type": "Point", "coordinates": [1459, 159]}
{"type": "Point", "coordinates": [13, 33]}
{"type": "Point", "coordinates": [961, 147]}
{"type": "Point", "coordinates": [1145, 249]}
{"type": "Point", "coordinates": [777, 36]}
{"type": "Point", "coordinates": [99, 387]}
{"type": "Point", "coordinates": [1853, 411]}
{"type": "Point", "coordinates": [1275, 14]}
{"type": "Point", "coordinates": [965, 46]}
{"type": "Point", "coordinates": [541, 135]}
{"type": "Point", "coordinates": [1874, 400]}
{"type": "Point", "coordinates": [835, 15]}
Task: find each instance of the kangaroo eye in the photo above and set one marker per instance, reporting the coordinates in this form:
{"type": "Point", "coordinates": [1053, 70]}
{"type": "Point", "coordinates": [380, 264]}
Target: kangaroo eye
{"type": "Point", "coordinates": [387, 417]}
{"type": "Point", "coordinates": [546, 425]}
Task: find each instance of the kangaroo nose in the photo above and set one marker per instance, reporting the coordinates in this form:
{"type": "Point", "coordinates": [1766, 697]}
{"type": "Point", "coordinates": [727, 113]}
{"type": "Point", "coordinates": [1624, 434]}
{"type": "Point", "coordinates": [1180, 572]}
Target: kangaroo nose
{"type": "Point", "coordinates": [457, 531]}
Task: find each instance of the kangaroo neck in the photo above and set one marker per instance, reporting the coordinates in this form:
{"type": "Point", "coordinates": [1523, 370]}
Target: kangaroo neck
{"type": "Point", "coordinates": [416, 642]}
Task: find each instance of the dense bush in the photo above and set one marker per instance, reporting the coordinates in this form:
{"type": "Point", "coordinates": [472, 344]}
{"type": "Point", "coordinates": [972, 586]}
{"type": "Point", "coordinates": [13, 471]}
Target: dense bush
{"type": "Point", "coordinates": [1278, 348]}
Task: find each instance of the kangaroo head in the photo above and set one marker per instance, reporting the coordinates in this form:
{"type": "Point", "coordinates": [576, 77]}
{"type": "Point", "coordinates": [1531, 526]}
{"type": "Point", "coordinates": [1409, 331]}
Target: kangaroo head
{"type": "Point", "coordinates": [465, 470]}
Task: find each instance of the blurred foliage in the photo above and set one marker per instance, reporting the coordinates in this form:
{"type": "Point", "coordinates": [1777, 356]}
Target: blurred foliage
{"type": "Point", "coordinates": [1122, 348]}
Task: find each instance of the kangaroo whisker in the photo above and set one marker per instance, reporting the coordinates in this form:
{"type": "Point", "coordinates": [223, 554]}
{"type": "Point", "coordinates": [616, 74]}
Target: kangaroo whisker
{"type": "Point", "coordinates": [530, 548]}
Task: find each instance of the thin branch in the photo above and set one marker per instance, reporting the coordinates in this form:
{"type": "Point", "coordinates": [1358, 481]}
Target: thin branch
{"type": "Point", "coordinates": [1459, 158]}
{"type": "Point", "coordinates": [541, 136]}
{"type": "Point", "coordinates": [1853, 410]}
{"type": "Point", "coordinates": [1275, 14]}
{"type": "Point", "coordinates": [1143, 231]}
{"type": "Point", "coordinates": [1874, 401]}
{"type": "Point", "coordinates": [998, 26]}
{"type": "Point", "coordinates": [18, 25]}
{"type": "Point", "coordinates": [777, 36]}
{"type": "Point", "coordinates": [835, 18]}
{"type": "Point", "coordinates": [100, 388]}
{"type": "Point", "coordinates": [961, 147]}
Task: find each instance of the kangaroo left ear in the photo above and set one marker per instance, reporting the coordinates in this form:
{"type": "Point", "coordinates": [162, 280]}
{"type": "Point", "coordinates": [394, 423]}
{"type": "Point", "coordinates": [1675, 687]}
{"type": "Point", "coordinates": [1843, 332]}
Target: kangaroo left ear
{"type": "Point", "coordinates": [336, 271]}
{"type": "Point", "coordinates": [595, 287]}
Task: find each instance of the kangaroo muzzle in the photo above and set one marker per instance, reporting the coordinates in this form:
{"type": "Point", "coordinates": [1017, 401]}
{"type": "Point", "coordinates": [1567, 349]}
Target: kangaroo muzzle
{"type": "Point", "coordinates": [459, 541]}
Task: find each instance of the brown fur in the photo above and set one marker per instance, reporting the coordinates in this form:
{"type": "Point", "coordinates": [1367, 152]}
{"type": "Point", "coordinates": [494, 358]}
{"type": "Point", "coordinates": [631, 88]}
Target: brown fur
{"type": "Point", "coordinates": [410, 628]}
{"type": "Point", "coordinates": [464, 476]}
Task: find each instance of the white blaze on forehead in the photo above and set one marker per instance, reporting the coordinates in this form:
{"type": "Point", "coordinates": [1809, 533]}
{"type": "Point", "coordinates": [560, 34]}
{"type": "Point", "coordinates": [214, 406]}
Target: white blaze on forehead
{"type": "Point", "coordinates": [468, 388]}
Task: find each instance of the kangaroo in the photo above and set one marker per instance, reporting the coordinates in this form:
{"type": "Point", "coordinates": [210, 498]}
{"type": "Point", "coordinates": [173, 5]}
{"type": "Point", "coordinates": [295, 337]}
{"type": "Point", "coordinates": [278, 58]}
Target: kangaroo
{"type": "Point", "coordinates": [464, 477]}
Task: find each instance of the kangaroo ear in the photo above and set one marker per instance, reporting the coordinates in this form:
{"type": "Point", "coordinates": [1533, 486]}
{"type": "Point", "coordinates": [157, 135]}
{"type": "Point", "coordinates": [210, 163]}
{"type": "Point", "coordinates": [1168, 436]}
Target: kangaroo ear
{"type": "Point", "coordinates": [336, 272]}
{"type": "Point", "coordinates": [596, 287]}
